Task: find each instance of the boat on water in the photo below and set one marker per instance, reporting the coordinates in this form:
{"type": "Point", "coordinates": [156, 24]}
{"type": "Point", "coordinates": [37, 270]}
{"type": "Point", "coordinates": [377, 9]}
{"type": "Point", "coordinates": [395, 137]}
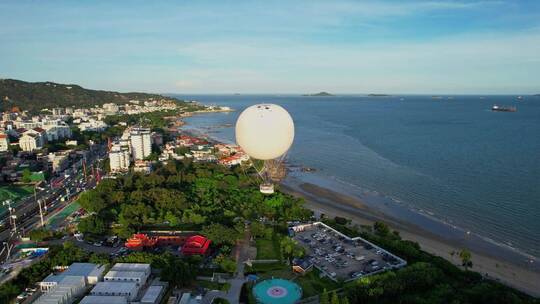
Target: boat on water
{"type": "Point", "coordinates": [497, 108]}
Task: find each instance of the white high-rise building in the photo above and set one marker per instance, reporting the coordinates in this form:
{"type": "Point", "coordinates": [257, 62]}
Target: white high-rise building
{"type": "Point", "coordinates": [141, 143]}
{"type": "Point", "coordinates": [119, 158]}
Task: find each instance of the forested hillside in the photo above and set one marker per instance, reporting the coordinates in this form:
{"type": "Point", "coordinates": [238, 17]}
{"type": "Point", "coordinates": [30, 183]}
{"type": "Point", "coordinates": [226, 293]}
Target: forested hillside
{"type": "Point", "coordinates": [34, 96]}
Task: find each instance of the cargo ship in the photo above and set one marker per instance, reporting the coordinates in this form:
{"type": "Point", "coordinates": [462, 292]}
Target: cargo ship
{"type": "Point", "coordinates": [503, 109]}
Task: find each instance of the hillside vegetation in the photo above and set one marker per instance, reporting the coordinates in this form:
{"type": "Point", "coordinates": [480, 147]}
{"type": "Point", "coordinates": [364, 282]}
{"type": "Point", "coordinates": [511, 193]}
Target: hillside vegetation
{"type": "Point", "coordinates": [34, 96]}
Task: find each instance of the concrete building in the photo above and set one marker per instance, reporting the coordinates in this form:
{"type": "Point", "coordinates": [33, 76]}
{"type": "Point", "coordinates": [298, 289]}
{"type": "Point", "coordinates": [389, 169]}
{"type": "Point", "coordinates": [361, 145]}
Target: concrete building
{"type": "Point", "coordinates": [30, 142]}
{"type": "Point", "coordinates": [110, 108]}
{"type": "Point", "coordinates": [4, 142]}
{"type": "Point", "coordinates": [104, 300]}
{"type": "Point", "coordinates": [141, 143]}
{"type": "Point", "coordinates": [92, 273]}
{"type": "Point", "coordinates": [129, 290]}
{"type": "Point", "coordinates": [153, 295]}
{"type": "Point", "coordinates": [59, 161]}
{"type": "Point", "coordinates": [58, 111]}
{"type": "Point", "coordinates": [137, 277]}
{"type": "Point", "coordinates": [65, 292]}
{"type": "Point", "coordinates": [119, 158]}
{"type": "Point", "coordinates": [56, 129]}
{"type": "Point", "coordinates": [139, 267]}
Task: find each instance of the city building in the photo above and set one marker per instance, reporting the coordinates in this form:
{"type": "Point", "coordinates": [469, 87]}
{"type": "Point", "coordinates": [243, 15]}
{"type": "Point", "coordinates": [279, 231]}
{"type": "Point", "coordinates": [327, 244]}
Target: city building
{"type": "Point", "coordinates": [119, 158]}
{"type": "Point", "coordinates": [59, 161]}
{"type": "Point", "coordinates": [141, 143]}
{"type": "Point", "coordinates": [30, 142]}
{"type": "Point", "coordinates": [104, 300]}
{"type": "Point", "coordinates": [153, 294]}
{"type": "Point", "coordinates": [142, 166]}
{"type": "Point", "coordinates": [196, 245]}
{"type": "Point", "coordinates": [129, 290]}
{"type": "Point", "coordinates": [110, 108]}
{"type": "Point", "coordinates": [137, 277]}
{"type": "Point", "coordinates": [4, 142]}
{"type": "Point", "coordinates": [138, 267]}
{"type": "Point", "coordinates": [65, 291]}
{"type": "Point", "coordinates": [91, 273]}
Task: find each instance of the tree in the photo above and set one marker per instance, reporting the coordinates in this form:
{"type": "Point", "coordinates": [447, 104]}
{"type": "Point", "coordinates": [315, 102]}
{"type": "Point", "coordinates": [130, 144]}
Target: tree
{"type": "Point", "coordinates": [92, 224]}
{"type": "Point", "coordinates": [334, 299]}
{"type": "Point", "coordinates": [226, 264]}
{"type": "Point", "coordinates": [465, 256]}
{"type": "Point", "coordinates": [220, 234]}
{"type": "Point", "coordinates": [26, 175]}
{"type": "Point", "coordinates": [324, 298]}
{"type": "Point", "coordinates": [381, 228]}
{"type": "Point", "coordinates": [290, 248]}
{"type": "Point", "coordinates": [178, 272]}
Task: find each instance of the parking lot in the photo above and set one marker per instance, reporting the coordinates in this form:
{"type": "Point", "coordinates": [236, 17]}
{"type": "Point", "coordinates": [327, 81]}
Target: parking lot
{"type": "Point", "coordinates": [341, 257]}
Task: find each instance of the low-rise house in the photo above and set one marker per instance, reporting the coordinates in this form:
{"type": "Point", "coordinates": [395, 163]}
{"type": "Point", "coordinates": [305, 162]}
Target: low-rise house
{"type": "Point", "coordinates": [129, 290]}
{"type": "Point", "coordinates": [4, 142]}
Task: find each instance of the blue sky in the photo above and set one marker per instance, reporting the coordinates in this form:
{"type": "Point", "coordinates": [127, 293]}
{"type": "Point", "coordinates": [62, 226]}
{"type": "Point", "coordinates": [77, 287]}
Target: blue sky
{"type": "Point", "coordinates": [338, 46]}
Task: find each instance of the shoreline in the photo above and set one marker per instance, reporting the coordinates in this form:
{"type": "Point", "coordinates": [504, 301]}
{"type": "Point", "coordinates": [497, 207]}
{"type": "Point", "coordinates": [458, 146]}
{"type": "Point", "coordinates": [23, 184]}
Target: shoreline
{"type": "Point", "coordinates": [331, 203]}
{"type": "Point", "coordinates": [497, 266]}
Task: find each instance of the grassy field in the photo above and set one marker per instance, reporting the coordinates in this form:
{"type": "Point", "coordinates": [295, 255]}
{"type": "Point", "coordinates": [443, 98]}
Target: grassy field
{"type": "Point", "coordinates": [14, 193]}
{"type": "Point", "coordinates": [213, 285]}
{"type": "Point", "coordinates": [62, 215]}
{"type": "Point", "coordinates": [267, 249]}
{"type": "Point", "coordinates": [312, 284]}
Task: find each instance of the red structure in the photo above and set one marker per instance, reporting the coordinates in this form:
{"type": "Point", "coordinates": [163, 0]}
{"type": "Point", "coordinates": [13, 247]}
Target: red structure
{"type": "Point", "coordinates": [141, 241]}
{"type": "Point", "coordinates": [196, 245]}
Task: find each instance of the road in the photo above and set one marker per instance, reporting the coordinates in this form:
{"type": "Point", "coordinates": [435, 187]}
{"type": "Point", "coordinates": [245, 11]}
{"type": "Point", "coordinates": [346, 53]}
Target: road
{"type": "Point", "coordinates": [27, 211]}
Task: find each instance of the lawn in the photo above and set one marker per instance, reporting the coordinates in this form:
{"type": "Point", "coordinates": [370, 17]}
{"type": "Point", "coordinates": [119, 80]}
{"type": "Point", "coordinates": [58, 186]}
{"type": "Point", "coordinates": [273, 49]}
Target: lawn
{"type": "Point", "coordinates": [267, 249]}
{"type": "Point", "coordinates": [14, 193]}
{"type": "Point", "coordinates": [312, 284]}
{"type": "Point", "coordinates": [213, 285]}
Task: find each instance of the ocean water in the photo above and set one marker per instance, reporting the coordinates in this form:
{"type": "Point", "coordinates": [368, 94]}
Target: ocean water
{"type": "Point", "coordinates": [449, 161]}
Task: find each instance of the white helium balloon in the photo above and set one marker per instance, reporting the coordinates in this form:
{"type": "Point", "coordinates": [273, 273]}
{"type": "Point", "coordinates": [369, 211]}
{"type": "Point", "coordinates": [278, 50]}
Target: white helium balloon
{"type": "Point", "coordinates": [265, 131]}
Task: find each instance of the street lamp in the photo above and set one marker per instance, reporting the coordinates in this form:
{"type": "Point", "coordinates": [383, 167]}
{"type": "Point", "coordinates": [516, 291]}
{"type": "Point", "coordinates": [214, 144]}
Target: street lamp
{"type": "Point", "coordinates": [8, 249]}
{"type": "Point", "coordinates": [39, 203]}
{"type": "Point", "coordinates": [14, 217]}
{"type": "Point", "coordinates": [8, 204]}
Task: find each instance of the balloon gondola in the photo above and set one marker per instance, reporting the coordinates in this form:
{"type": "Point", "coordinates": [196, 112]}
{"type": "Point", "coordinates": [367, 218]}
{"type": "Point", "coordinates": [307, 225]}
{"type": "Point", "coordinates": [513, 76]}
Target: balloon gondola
{"type": "Point", "coordinates": [266, 132]}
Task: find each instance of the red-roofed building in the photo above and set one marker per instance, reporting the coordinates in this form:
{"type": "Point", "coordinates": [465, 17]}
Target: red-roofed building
{"type": "Point", "coordinates": [196, 245]}
{"type": "Point", "coordinates": [141, 241]}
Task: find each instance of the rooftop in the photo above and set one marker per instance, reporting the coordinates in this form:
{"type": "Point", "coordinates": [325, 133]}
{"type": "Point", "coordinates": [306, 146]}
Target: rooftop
{"type": "Point", "coordinates": [131, 267]}
{"type": "Point", "coordinates": [114, 287]}
{"type": "Point", "coordinates": [104, 300]}
{"type": "Point", "coordinates": [152, 294]}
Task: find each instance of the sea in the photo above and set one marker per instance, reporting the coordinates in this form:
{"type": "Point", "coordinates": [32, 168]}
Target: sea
{"type": "Point", "coordinates": [445, 163]}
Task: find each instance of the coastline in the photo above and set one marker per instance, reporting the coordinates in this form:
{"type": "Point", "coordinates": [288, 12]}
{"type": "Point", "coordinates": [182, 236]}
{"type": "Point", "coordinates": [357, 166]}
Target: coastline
{"type": "Point", "coordinates": [331, 203]}
{"type": "Point", "coordinates": [491, 259]}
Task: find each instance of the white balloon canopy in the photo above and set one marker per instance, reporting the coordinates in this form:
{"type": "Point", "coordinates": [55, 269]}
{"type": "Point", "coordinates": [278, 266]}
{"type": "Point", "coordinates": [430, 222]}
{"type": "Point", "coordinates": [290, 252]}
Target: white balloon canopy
{"type": "Point", "coordinates": [265, 131]}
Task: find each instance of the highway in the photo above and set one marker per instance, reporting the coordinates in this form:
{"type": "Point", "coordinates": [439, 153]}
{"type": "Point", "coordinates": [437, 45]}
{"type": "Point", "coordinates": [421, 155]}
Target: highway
{"type": "Point", "coordinates": [27, 210]}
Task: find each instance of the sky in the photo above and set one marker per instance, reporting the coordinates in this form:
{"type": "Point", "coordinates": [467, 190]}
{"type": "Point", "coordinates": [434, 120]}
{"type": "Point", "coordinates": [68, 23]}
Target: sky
{"type": "Point", "coordinates": [339, 46]}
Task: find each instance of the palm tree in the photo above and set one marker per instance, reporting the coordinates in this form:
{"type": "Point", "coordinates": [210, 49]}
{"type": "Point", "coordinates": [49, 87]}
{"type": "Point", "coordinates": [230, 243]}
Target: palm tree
{"type": "Point", "coordinates": [465, 256]}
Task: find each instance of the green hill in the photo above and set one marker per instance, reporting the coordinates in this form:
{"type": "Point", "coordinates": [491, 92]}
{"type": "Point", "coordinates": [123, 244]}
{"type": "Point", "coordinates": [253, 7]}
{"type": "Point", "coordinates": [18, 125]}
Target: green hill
{"type": "Point", "coordinates": [34, 96]}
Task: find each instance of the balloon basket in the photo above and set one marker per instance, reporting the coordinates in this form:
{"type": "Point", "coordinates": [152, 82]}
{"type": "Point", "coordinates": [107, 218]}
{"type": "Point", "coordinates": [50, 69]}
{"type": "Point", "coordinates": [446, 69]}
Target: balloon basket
{"type": "Point", "coordinates": [267, 188]}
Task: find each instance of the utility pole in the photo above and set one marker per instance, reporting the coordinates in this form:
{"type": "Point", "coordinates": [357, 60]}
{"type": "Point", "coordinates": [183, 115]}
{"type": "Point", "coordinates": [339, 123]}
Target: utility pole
{"type": "Point", "coordinates": [8, 204]}
{"type": "Point", "coordinates": [8, 251]}
{"type": "Point", "coordinates": [39, 203]}
{"type": "Point", "coordinates": [14, 217]}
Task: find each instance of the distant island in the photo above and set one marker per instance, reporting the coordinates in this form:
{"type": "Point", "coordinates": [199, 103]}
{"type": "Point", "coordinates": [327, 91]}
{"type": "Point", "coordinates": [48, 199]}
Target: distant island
{"type": "Point", "coordinates": [537, 95]}
{"type": "Point", "coordinates": [35, 96]}
{"type": "Point", "coordinates": [379, 95]}
{"type": "Point", "coordinates": [318, 94]}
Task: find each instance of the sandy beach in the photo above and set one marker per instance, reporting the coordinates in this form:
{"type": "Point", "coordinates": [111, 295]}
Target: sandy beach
{"type": "Point", "coordinates": [331, 203]}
